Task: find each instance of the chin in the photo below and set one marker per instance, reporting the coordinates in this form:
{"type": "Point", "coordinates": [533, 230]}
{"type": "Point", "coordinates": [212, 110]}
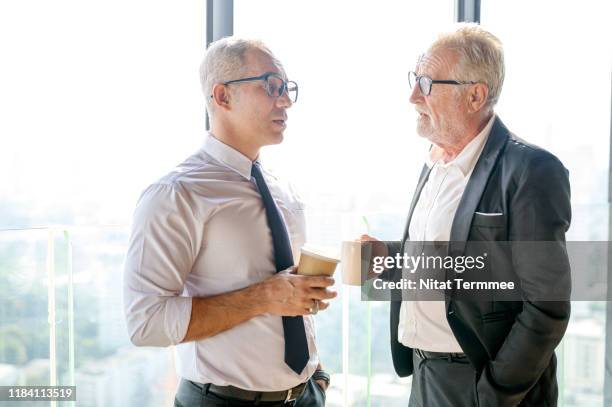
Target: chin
{"type": "Point", "coordinates": [276, 138]}
{"type": "Point", "coordinates": [424, 131]}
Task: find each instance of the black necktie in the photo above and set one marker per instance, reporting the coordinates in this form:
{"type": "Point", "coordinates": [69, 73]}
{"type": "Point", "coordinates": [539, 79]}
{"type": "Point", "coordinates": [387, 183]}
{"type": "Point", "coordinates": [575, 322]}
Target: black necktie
{"type": "Point", "coordinates": [296, 347]}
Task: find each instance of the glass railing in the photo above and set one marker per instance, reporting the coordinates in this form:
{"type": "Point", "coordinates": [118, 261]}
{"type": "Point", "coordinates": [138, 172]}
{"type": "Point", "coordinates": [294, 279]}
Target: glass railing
{"type": "Point", "coordinates": [62, 323]}
{"type": "Point", "coordinates": [61, 319]}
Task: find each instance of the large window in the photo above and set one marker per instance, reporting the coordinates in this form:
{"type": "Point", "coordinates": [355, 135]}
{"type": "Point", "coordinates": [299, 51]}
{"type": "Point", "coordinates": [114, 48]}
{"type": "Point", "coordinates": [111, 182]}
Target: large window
{"type": "Point", "coordinates": [546, 101]}
{"type": "Point", "coordinates": [352, 152]}
{"type": "Point", "coordinates": [98, 99]}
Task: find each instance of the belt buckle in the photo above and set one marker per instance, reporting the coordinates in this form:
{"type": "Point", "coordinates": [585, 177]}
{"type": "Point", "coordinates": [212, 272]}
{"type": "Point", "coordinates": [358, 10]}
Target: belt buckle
{"type": "Point", "coordinates": [289, 393]}
{"type": "Point", "coordinates": [295, 392]}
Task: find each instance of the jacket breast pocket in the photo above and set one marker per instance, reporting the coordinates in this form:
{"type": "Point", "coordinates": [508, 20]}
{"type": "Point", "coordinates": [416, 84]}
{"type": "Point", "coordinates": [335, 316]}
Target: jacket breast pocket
{"type": "Point", "coordinates": [489, 219]}
{"type": "Point", "coordinates": [488, 226]}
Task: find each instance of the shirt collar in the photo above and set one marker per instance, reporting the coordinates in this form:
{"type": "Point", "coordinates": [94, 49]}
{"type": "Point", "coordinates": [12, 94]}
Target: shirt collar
{"type": "Point", "coordinates": [467, 158]}
{"type": "Point", "coordinates": [228, 156]}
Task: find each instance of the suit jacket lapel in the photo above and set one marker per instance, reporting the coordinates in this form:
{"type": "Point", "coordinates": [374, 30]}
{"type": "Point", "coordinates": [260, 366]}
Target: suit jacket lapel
{"type": "Point", "coordinates": [475, 187]}
{"type": "Point", "coordinates": [422, 180]}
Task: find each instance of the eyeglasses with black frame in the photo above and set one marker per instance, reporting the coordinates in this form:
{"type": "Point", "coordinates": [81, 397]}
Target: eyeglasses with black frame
{"type": "Point", "coordinates": [274, 85]}
{"type": "Point", "coordinates": [425, 82]}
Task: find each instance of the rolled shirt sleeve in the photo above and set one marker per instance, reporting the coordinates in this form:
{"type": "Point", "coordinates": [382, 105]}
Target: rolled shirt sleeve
{"type": "Point", "coordinates": [164, 243]}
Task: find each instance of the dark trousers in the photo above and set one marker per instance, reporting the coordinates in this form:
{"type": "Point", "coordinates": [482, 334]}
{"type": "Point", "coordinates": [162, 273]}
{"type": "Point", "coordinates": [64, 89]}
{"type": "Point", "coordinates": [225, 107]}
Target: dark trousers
{"type": "Point", "coordinates": [442, 383]}
{"type": "Point", "coordinates": [192, 395]}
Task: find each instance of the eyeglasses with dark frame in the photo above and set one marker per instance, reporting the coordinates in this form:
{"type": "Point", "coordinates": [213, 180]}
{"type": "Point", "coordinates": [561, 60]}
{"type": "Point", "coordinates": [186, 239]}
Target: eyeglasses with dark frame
{"type": "Point", "coordinates": [425, 82]}
{"type": "Point", "coordinates": [274, 85]}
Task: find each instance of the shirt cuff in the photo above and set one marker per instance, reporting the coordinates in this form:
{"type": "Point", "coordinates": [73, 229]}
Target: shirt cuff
{"type": "Point", "coordinates": [176, 318]}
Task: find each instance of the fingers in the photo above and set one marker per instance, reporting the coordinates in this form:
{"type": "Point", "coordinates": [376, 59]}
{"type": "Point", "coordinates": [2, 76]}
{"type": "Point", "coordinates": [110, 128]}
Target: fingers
{"type": "Point", "coordinates": [305, 281]}
{"type": "Point", "coordinates": [301, 295]}
{"type": "Point", "coordinates": [318, 306]}
{"type": "Point", "coordinates": [312, 281]}
{"type": "Point", "coordinates": [317, 281]}
{"type": "Point", "coordinates": [321, 294]}
{"type": "Point", "coordinates": [309, 307]}
{"type": "Point", "coordinates": [367, 238]}
{"type": "Point", "coordinates": [315, 307]}
{"type": "Point", "coordinates": [311, 304]}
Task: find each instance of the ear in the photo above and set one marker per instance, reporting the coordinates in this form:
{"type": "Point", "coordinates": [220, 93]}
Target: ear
{"type": "Point", "coordinates": [477, 97]}
{"type": "Point", "coordinates": [220, 96]}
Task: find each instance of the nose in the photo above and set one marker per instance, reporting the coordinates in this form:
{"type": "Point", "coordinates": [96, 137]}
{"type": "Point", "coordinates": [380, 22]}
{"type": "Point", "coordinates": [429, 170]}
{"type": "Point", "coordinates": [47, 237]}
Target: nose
{"type": "Point", "coordinates": [283, 101]}
{"type": "Point", "coordinates": [415, 94]}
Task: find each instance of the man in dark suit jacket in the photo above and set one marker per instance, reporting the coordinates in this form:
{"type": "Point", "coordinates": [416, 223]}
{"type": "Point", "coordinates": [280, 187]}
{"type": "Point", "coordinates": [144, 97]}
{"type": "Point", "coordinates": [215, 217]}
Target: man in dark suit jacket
{"type": "Point", "coordinates": [481, 183]}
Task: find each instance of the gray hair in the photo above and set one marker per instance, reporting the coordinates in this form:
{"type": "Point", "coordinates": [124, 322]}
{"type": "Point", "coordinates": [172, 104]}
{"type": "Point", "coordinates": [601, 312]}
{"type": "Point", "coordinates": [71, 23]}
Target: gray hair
{"type": "Point", "coordinates": [481, 57]}
{"type": "Point", "coordinates": [224, 61]}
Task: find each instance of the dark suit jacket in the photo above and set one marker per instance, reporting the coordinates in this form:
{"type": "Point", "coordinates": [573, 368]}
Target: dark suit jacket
{"type": "Point", "coordinates": [510, 344]}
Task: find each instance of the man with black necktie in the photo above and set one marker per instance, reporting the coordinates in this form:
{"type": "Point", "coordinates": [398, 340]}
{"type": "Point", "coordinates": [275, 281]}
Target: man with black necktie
{"type": "Point", "coordinates": [210, 266]}
{"type": "Point", "coordinates": [481, 185]}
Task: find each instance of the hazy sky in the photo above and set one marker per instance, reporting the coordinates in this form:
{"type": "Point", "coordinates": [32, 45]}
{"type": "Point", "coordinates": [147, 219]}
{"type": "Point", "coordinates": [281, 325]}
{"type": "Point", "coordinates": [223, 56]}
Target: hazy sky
{"type": "Point", "coordinates": [100, 99]}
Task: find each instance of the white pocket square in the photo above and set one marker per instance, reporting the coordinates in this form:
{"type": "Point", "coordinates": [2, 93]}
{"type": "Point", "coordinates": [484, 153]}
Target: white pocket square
{"type": "Point", "coordinates": [489, 214]}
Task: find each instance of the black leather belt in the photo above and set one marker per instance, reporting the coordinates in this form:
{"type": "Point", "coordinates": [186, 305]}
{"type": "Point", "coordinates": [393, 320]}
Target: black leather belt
{"type": "Point", "coordinates": [249, 395]}
{"type": "Point", "coordinates": [451, 357]}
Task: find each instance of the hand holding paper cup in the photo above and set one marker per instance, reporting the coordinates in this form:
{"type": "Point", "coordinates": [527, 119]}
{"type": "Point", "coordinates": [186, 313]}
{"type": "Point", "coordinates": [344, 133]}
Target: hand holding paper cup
{"type": "Point", "coordinates": [316, 264]}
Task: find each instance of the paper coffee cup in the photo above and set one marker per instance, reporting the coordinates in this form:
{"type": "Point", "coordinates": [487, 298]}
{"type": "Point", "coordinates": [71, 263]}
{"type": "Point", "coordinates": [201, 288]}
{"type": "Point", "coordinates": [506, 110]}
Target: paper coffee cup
{"type": "Point", "coordinates": [315, 264]}
{"type": "Point", "coordinates": [355, 258]}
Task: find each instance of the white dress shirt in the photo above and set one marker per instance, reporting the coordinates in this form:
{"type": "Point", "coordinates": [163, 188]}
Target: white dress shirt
{"type": "Point", "coordinates": [423, 324]}
{"type": "Point", "coordinates": [200, 231]}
